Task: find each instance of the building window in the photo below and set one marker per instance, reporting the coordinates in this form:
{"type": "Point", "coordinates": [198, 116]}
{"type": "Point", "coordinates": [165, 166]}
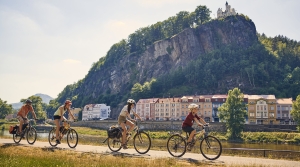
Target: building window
{"type": "Point", "coordinates": [272, 115]}
{"type": "Point", "coordinates": [251, 114]}
{"type": "Point", "coordinates": [272, 107]}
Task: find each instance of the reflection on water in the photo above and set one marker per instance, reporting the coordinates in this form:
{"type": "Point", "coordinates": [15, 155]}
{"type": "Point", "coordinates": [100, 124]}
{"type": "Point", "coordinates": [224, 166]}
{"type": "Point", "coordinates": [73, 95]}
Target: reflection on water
{"type": "Point", "coordinates": [39, 134]}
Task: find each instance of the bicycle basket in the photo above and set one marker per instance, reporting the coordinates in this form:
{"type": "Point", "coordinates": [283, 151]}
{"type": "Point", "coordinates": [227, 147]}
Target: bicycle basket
{"type": "Point", "coordinates": [114, 132]}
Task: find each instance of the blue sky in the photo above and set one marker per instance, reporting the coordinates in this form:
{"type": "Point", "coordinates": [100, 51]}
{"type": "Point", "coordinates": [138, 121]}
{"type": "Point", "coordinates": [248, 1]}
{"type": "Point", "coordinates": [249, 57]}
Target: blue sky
{"type": "Point", "coordinates": [46, 45]}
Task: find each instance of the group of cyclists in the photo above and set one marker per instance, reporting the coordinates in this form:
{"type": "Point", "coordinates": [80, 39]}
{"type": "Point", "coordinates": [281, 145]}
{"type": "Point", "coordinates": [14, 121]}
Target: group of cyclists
{"type": "Point", "coordinates": [124, 119]}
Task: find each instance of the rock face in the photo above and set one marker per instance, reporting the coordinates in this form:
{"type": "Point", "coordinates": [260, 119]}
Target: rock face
{"type": "Point", "coordinates": [166, 55]}
{"type": "Point", "coordinates": [118, 76]}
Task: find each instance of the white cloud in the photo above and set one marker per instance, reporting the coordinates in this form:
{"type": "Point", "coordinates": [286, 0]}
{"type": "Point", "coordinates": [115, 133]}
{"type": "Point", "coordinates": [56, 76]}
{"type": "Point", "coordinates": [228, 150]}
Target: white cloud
{"type": "Point", "coordinates": [71, 61]}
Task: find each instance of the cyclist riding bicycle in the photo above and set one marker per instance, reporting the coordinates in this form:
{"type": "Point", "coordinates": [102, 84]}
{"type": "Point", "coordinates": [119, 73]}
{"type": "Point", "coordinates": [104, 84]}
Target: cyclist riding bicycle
{"type": "Point", "coordinates": [58, 116]}
{"type": "Point", "coordinates": [22, 114]}
{"type": "Point", "coordinates": [189, 121]}
{"type": "Point", "coordinates": [125, 119]}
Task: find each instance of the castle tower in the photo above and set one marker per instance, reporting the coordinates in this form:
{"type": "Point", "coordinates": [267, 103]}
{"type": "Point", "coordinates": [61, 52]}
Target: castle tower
{"type": "Point", "coordinates": [228, 11]}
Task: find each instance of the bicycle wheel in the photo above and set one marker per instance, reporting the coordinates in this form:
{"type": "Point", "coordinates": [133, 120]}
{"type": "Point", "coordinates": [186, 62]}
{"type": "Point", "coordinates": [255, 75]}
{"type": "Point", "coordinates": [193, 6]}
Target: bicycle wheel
{"type": "Point", "coordinates": [31, 135]}
{"type": "Point", "coordinates": [51, 137]}
{"type": "Point", "coordinates": [17, 138]}
{"type": "Point", "coordinates": [142, 142]}
{"type": "Point", "coordinates": [72, 138]}
{"type": "Point", "coordinates": [210, 148]}
{"type": "Point", "coordinates": [176, 145]}
{"type": "Point", "coordinates": [114, 144]}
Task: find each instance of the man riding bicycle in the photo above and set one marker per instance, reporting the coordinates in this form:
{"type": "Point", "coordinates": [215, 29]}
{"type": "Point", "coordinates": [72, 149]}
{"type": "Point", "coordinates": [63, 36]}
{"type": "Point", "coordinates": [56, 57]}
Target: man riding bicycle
{"type": "Point", "coordinates": [188, 123]}
{"type": "Point", "coordinates": [22, 114]}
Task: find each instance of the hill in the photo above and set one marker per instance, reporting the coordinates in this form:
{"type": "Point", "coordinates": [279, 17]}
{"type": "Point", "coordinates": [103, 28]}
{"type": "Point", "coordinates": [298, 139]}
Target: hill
{"type": "Point", "coordinates": [46, 99]}
{"type": "Point", "coordinates": [210, 58]}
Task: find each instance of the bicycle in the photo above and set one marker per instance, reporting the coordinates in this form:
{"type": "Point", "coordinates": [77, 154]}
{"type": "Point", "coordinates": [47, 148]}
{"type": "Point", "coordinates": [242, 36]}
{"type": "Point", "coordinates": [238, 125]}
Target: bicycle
{"type": "Point", "coordinates": [72, 136]}
{"type": "Point", "coordinates": [210, 146]}
{"type": "Point", "coordinates": [141, 140]}
{"type": "Point", "coordinates": [28, 130]}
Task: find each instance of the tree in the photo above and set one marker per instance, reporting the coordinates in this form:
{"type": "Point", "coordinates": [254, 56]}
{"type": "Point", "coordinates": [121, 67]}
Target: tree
{"type": "Point", "coordinates": [202, 14]}
{"type": "Point", "coordinates": [296, 111]}
{"type": "Point", "coordinates": [233, 113]}
{"type": "Point", "coordinates": [5, 109]}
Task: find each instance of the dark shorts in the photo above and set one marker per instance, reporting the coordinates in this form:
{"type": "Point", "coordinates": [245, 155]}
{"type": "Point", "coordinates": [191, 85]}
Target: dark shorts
{"type": "Point", "coordinates": [56, 117]}
{"type": "Point", "coordinates": [188, 129]}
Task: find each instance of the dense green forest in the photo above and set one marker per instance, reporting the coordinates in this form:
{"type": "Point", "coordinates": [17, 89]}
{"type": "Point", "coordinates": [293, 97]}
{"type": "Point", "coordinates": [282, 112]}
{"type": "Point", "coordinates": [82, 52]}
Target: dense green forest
{"type": "Point", "coordinates": [268, 66]}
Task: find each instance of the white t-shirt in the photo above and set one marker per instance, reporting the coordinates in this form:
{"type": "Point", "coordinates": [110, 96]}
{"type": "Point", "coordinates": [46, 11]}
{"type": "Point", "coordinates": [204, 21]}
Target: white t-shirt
{"type": "Point", "coordinates": [124, 111]}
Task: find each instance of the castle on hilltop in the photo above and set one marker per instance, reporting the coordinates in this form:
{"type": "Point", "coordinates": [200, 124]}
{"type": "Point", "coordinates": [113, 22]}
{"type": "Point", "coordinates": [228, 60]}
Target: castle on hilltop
{"type": "Point", "coordinates": [228, 11]}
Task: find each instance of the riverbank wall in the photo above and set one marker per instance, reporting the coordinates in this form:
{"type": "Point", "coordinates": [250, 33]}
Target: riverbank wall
{"type": "Point", "coordinates": [176, 125]}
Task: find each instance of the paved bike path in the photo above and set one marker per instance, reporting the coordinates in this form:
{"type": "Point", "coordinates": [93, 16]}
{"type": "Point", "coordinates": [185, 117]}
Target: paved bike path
{"type": "Point", "coordinates": [224, 160]}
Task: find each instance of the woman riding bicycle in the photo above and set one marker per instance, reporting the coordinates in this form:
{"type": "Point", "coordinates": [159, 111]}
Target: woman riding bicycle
{"type": "Point", "coordinates": [22, 114]}
{"type": "Point", "coordinates": [188, 123]}
{"type": "Point", "coordinates": [58, 116]}
{"type": "Point", "coordinates": [125, 119]}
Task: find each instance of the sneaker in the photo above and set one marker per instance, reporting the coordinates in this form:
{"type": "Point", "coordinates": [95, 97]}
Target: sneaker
{"type": "Point", "coordinates": [189, 146]}
{"type": "Point", "coordinates": [57, 142]}
{"type": "Point", "coordinates": [125, 146]}
{"type": "Point", "coordinates": [18, 133]}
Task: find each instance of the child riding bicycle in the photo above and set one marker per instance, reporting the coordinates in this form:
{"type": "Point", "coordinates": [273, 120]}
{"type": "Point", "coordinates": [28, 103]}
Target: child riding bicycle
{"type": "Point", "coordinates": [188, 123]}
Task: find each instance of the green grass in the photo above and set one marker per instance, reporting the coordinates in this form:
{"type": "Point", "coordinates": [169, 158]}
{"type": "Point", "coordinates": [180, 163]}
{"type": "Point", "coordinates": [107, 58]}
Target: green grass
{"type": "Point", "coordinates": [17, 155]}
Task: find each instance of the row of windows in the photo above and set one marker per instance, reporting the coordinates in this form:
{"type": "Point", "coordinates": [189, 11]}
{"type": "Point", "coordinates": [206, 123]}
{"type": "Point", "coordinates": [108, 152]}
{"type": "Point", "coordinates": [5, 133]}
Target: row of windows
{"type": "Point", "coordinates": [182, 106]}
{"type": "Point", "coordinates": [261, 114]}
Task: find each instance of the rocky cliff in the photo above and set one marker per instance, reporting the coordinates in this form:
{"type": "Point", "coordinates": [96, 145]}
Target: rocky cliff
{"type": "Point", "coordinates": [169, 54]}
{"type": "Point", "coordinates": [160, 58]}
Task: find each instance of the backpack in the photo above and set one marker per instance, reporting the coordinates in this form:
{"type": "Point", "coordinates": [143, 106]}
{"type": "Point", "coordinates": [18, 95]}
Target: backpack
{"type": "Point", "coordinates": [13, 129]}
{"type": "Point", "coordinates": [114, 132]}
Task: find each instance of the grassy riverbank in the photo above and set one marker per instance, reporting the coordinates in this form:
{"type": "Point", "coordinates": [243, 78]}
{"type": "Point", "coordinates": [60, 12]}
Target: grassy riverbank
{"type": "Point", "coordinates": [15, 156]}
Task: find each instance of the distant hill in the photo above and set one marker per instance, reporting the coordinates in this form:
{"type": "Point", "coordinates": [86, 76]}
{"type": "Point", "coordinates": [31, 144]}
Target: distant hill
{"type": "Point", "coordinates": [46, 99]}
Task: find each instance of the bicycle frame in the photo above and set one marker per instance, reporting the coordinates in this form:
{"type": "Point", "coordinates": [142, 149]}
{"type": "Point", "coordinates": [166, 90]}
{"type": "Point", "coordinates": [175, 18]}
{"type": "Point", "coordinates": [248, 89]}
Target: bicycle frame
{"type": "Point", "coordinates": [27, 126]}
{"type": "Point", "coordinates": [210, 146]}
{"type": "Point", "coordinates": [64, 130]}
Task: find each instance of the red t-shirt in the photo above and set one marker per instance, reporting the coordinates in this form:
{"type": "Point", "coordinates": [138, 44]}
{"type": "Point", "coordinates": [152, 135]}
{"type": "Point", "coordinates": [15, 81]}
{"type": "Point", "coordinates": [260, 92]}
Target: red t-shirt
{"type": "Point", "coordinates": [189, 120]}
